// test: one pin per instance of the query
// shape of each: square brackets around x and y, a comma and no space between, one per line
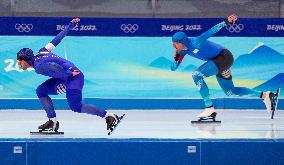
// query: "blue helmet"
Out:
[179,37]
[25,54]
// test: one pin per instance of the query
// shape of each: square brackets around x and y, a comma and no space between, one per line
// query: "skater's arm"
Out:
[53,69]
[50,46]
[70,67]
[204,36]
[177,60]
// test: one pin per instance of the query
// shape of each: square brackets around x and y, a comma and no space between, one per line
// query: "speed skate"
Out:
[48,128]
[207,120]
[275,102]
[119,119]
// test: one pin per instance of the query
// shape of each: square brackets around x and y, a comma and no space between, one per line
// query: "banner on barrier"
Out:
[140,26]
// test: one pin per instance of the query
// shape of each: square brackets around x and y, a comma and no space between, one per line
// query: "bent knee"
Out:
[40,92]
[196,76]
[76,107]
[229,92]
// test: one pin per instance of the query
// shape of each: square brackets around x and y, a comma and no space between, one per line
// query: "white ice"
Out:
[161,124]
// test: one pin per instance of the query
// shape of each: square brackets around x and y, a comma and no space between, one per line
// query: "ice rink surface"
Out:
[158,124]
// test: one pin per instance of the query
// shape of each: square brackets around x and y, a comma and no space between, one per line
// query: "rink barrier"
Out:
[142,103]
[141,151]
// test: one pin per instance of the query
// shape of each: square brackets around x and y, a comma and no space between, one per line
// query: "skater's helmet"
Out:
[25,54]
[179,37]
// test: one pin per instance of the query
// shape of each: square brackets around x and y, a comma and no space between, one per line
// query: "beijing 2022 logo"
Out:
[129,28]
[235,28]
[24,28]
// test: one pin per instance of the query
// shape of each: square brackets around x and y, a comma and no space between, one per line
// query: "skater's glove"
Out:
[75,20]
[177,61]
[231,19]
[176,55]
[174,65]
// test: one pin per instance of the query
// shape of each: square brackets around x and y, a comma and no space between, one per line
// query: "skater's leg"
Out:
[206,70]
[47,105]
[228,87]
[52,86]
[269,98]
[74,99]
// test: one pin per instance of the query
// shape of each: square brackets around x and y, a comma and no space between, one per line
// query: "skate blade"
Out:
[206,122]
[47,133]
[114,127]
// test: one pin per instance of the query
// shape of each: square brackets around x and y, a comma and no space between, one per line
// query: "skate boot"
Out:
[207,116]
[111,120]
[207,112]
[268,100]
[49,126]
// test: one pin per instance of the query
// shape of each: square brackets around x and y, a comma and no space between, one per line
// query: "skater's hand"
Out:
[232,19]
[176,55]
[75,73]
[174,66]
[75,20]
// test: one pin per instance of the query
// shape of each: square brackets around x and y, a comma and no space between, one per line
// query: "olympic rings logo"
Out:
[24,27]
[235,28]
[129,28]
